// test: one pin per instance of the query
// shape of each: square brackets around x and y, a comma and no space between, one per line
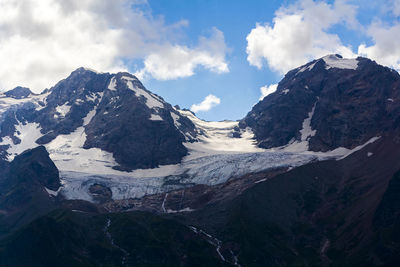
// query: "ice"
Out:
[215,159]
[333,61]
[209,170]
[217,138]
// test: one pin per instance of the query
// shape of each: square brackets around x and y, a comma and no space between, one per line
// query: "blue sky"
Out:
[239,89]
[213,56]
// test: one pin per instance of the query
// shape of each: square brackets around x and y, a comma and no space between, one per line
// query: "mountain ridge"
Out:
[276,188]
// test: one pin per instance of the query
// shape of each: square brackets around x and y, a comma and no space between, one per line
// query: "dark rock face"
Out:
[18,92]
[69,103]
[35,166]
[23,184]
[100,193]
[123,125]
[351,105]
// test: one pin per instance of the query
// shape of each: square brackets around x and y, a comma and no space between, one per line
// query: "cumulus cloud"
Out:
[42,41]
[299,33]
[386,47]
[208,103]
[178,61]
[267,90]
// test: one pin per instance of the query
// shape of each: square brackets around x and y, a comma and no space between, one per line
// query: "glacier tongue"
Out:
[208,170]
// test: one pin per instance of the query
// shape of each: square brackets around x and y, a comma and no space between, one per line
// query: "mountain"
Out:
[113,175]
[117,113]
[328,103]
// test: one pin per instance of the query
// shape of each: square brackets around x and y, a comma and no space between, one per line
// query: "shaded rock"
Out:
[100,193]
[18,92]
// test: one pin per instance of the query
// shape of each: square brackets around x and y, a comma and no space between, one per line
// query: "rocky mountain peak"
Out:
[18,92]
[113,113]
[328,103]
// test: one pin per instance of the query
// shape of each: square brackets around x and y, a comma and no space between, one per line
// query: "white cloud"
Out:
[171,62]
[396,7]
[300,33]
[386,47]
[208,103]
[42,41]
[267,90]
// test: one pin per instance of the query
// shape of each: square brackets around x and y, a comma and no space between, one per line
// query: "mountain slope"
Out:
[68,238]
[331,213]
[327,213]
[28,187]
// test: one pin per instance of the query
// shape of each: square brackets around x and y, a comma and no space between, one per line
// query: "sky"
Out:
[215,57]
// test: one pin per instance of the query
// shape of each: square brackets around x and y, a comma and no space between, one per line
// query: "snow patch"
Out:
[155,117]
[63,109]
[68,153]
[187,209]
[310,67]
[285,91]
[306,133]
[151,100]
[113,84]
[333,61]
[369,154]
[176,118]
[348,152]
[92,97]
[79,101]
[28,133]
[52,192]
